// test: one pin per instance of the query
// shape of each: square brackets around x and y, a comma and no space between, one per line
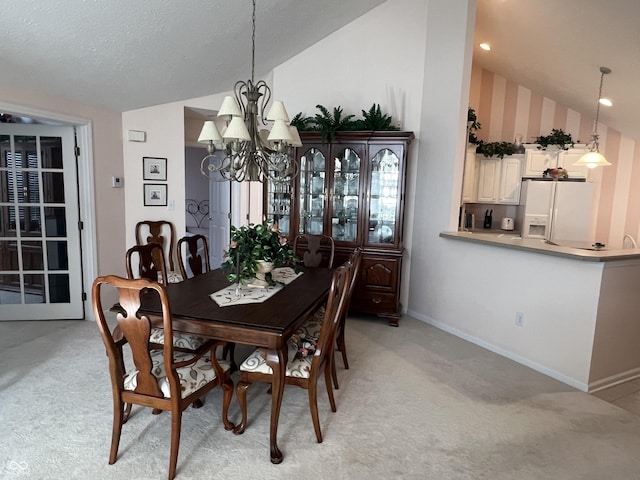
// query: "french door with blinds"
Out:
[40,252]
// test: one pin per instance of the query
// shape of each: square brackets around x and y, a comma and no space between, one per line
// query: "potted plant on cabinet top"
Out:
[254,251]
[557,138]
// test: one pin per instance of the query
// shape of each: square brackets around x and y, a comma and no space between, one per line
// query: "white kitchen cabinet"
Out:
[469,180]
[537,161]
[510,179]
[499,179]
[489,170]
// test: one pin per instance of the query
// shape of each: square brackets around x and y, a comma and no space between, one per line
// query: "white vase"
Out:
[263,269]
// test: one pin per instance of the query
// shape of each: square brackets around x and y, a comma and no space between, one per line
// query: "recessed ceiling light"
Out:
[606,102]
[485,46]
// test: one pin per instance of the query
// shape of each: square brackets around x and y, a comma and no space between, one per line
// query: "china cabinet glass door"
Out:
[313,183]
[279,205]
[346,195]
[385,195]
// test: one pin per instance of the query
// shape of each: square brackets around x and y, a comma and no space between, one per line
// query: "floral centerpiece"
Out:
[252,245]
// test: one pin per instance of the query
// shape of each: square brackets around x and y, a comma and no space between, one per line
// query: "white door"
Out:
[219,219]
[40,250]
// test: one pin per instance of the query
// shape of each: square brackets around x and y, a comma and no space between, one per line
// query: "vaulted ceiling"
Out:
[124,54]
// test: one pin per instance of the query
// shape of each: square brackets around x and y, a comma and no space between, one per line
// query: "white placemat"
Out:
[243,294]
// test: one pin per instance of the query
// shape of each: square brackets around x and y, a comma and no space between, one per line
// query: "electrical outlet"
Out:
[520,319]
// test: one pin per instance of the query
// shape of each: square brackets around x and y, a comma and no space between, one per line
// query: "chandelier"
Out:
[249,152]
[593,158]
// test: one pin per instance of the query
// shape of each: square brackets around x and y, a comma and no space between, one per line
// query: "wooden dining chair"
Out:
[163,379]
[314,250]
[196,254]
[305,365]
[311,328]
[146,261]
[151,265]
[164,233]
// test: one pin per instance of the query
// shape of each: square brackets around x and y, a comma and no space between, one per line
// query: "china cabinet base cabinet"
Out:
[351,187]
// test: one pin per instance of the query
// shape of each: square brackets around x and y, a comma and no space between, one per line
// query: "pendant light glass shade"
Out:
[592,160]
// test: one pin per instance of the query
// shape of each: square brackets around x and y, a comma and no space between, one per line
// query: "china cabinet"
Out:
[352,188]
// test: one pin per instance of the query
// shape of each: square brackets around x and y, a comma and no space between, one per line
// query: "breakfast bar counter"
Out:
[573,250]
[567,310]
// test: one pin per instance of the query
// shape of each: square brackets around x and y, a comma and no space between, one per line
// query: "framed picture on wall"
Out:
[154,168]
[155,195]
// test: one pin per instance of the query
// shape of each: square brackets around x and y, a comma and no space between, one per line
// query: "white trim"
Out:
[85,189]
[501,351]
[614,380]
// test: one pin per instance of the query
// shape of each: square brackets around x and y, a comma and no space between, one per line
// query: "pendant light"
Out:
[594,158]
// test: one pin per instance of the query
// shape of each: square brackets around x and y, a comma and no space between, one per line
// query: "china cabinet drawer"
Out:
[365,301]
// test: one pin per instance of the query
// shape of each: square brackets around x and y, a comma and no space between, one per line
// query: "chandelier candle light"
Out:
[594,158]
[251,153]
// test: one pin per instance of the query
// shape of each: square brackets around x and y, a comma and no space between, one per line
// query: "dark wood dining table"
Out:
[268,325]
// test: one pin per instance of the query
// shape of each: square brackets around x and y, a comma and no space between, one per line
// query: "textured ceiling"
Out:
[124,54]
[127,54]
[556,48]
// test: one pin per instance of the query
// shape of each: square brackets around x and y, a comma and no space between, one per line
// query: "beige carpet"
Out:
[417,403]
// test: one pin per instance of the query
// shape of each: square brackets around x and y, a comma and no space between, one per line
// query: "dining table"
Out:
[267,325]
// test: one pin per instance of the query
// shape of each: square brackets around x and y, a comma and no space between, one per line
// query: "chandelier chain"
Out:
[253,42]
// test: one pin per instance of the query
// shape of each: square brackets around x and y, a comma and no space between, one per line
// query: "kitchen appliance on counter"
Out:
[507,223]
[557,210]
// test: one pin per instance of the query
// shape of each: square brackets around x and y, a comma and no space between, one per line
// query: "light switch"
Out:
[116,182]
[172,205]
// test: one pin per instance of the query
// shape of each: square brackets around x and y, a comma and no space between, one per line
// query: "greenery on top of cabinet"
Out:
[328,123]
[499,149]
[556,138]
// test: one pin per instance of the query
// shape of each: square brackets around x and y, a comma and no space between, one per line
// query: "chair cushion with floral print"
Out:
[311,328]
[299,365]
[180,340]
[192,377]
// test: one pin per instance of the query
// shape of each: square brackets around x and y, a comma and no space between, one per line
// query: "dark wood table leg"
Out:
[277,360]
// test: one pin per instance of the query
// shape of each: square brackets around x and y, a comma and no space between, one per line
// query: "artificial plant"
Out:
[252,243]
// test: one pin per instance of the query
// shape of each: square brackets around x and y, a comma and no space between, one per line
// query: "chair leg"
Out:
[127,412]
[332,361]
[229,351]
[313,406]
[327,381]
[241,395]
[118,416]
[176,423]
[342,347]
[227,395]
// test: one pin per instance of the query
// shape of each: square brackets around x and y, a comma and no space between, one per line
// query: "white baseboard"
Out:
[505,353]
[613,380]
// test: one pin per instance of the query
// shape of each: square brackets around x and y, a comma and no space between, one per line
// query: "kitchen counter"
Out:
[573,250]
[568,312]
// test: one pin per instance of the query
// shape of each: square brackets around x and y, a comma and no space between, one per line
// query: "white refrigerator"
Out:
[557,210]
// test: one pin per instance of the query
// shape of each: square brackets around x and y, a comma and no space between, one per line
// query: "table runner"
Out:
[243,294]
